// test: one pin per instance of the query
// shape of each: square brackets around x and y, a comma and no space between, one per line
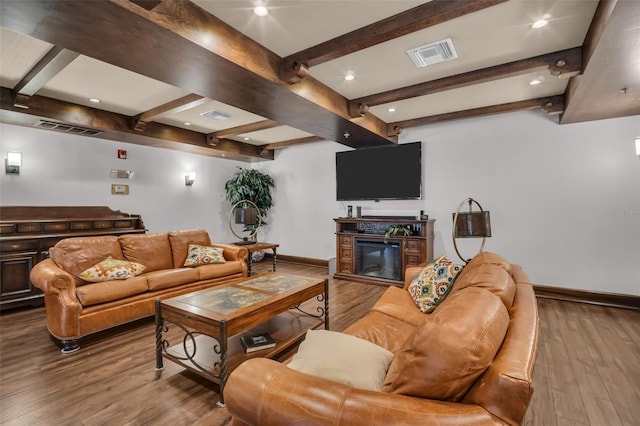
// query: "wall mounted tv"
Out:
[391,172]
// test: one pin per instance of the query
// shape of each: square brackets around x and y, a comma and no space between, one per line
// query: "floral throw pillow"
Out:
[432,285]
[203,255]
[112,269]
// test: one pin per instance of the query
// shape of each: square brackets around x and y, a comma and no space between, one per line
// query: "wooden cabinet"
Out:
[27,233]
[363,253]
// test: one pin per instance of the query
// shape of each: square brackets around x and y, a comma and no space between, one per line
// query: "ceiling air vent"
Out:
[216,115]
[67,128]
[433,53]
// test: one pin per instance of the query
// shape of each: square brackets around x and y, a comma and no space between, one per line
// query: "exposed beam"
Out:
[247,128]
[551,104]
[325,112]
[54,61]
[116,127]
[562,63]
[426,15]
[291,142]
[610,84]
[184,103]
[101,29]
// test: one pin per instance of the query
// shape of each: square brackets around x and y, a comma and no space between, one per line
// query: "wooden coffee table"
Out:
[210,322]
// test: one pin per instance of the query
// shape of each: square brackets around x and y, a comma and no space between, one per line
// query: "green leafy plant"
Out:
[252,185]
[397,230]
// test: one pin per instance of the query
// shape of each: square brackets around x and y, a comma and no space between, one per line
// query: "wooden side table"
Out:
[258,247]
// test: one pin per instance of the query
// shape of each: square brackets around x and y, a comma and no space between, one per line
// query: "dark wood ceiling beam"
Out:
[610,84]
[184,103]
[54,61]
[247,128]
[426,15]
[209,32]
[116,127]
[291,142]
[202,61]
[551,104]
[563,63]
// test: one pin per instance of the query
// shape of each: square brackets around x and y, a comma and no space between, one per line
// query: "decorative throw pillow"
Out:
[342,358]
[432,285]
[112,269]
[203,255]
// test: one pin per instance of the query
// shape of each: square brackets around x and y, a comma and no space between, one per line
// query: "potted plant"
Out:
[252,185]
[397,230]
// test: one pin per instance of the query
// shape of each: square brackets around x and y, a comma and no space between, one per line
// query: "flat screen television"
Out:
[383,173]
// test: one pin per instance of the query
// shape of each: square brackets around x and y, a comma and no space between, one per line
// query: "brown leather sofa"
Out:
[76,308]
[436,376]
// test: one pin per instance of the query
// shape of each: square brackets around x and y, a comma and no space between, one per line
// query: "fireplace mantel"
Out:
[351,233]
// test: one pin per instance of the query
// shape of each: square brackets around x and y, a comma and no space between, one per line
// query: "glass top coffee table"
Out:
[210,322]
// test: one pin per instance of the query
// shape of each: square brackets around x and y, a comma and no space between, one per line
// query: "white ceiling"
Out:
[493,36]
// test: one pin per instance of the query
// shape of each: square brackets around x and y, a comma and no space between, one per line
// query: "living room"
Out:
[564,198]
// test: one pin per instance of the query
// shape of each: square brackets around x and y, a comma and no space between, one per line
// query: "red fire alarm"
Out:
[122,154]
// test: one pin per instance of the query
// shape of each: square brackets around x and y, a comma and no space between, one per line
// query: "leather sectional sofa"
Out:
[469,362]
[76,308]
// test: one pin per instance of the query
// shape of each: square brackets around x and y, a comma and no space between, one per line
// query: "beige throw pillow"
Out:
[342,358]
[111,269]
[203,255]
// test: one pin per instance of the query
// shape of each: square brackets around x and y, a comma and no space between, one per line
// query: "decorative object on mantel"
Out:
[470,225]
[397,230]
[249,189]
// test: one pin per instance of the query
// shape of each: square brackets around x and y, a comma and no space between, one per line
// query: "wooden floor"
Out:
[587,373]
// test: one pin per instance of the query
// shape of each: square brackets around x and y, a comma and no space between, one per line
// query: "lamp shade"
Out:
[246,216]
[472,225]
[14,159]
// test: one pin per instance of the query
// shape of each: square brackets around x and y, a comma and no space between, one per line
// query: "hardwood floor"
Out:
[587,373]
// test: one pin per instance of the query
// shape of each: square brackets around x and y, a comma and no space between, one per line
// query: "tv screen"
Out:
[383,173]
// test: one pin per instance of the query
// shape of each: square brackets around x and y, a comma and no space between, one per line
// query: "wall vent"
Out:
[216,115]
[67,128]
[433,53]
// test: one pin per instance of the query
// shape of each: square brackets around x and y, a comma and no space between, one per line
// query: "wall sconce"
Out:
[190,178]
[13,162]
[638,146]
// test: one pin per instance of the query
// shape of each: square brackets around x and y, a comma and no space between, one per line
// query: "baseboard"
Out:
[625,301]
[297,259]
[613,300]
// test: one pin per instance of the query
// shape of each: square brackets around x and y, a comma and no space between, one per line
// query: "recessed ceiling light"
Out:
[261,11]
[94,100]
[246,139]
[534,82]
[349,77]
[186,123]
[539,23]
[392,109]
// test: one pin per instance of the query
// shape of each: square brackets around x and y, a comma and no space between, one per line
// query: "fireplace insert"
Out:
[375,258]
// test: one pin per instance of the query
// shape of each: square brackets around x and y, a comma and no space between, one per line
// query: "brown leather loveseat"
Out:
[76,308]
[469,362]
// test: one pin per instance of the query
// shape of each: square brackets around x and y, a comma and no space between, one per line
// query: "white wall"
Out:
[60,169]
[564,199]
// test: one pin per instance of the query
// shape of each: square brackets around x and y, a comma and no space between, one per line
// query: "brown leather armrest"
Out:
[265,392]
[51,279]
[232,252]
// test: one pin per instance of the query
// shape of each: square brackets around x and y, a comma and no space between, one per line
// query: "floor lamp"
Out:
[471,224]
